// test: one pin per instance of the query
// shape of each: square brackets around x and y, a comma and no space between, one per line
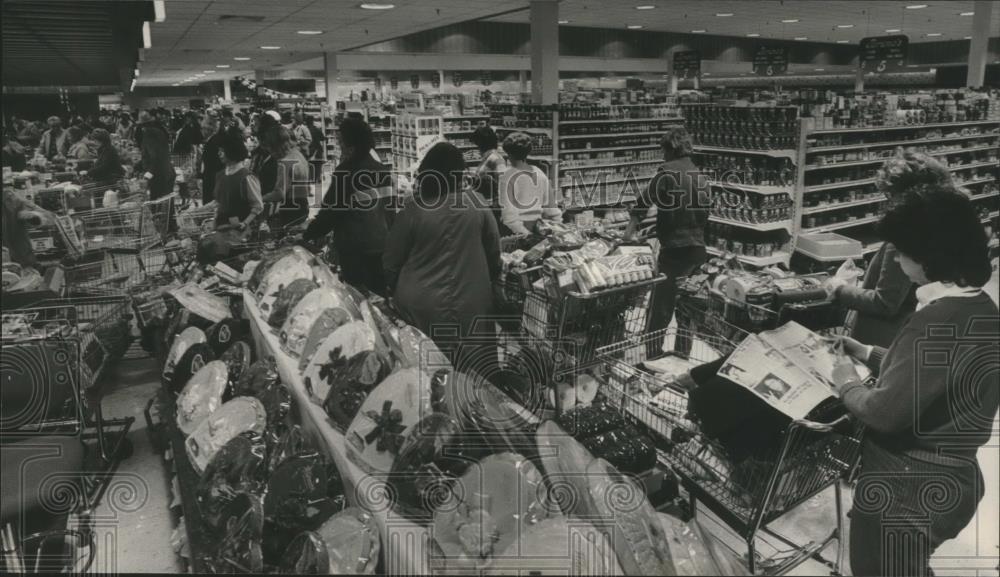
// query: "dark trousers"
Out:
[904,508]
[362,270]
[675,263]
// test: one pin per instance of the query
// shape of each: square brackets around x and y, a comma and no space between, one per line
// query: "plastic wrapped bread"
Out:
[297,326]
[188,337]
[346,358]
[201,396]
[240,415]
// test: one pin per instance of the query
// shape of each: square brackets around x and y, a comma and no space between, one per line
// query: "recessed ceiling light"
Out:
[241,58]
[634,26]
[377,6]
[891,30]
[802,38]
[564,21]
[966,13]
[645,7]
[175,84]
[222,66]
[819,69]
[707,74]
[159,11]
[845,25]
[916,6]
[843,41]
[723,14]
[752,35]
[933,34]
[699,31]
[310,32]
[208,72]
[270,47]
[790,20]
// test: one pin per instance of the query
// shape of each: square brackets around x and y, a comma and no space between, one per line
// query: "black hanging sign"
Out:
[456,78]
[878,54]
[687,64]
[435,80]
[393,83]
[414,81]
[770,61]
[486,77]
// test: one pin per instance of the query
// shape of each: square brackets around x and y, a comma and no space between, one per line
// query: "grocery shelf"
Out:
[621,120]
[753,188]
[602,201]
[968,166]
[776,153]
[844,224]
[526,130]
[612,164]
[916,142]
[991,216]
[465,117]
[841,205]
[608,149]
[984,196]
[976,182]
[606,182]
[905,127]
[761,226]
[457,132]
[608,135]
[836,185]
[540,158]
[775,258]
[882,160]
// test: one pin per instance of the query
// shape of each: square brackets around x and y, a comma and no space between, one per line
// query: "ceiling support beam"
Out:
[979,45]
[545,51]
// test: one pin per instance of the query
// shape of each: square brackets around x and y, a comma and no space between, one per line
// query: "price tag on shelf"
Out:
[881,54]
[42,244]
[770,61]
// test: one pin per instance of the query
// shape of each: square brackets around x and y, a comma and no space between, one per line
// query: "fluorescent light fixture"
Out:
[916,6]
[131,88]
[645,7]
[208,71]
[819,69]
[753,35]
[968,37]
[843,41]
[159,10]
[147,36]
[222,66]
[891,30]
[377,6]
[790,20]
[241,58]
[706,74]
[699,31]
[564,21]
[634,26]
[310,32]
[175,84]
[723,14]
[802,38]
[845,25]
[966,13]
[933,34]
[270,47]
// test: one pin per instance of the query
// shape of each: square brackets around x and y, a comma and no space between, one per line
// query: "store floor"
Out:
[135,523]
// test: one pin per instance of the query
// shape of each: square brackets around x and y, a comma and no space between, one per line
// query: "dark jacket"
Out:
[155,146]
[13,156]
[211,164]
[188,137]
[108,166]
[680,194]
[354,209]
[15,234]
[884,300]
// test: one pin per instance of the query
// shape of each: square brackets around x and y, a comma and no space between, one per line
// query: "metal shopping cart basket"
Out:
[748,496]
[131,225]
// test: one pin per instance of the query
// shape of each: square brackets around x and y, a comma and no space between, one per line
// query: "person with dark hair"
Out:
[441,259]
[263,164]
[13,153]
[491,165]
[189,134]
[154,144]
[679,191]
[354,208]
[937,393]
[107,169]
[887,296]
[288,201]
[79,145]
[237,191]
[524,191]
[211,163]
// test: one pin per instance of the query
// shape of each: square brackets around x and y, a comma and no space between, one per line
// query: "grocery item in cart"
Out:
[201,396]
[188,337]
[300,322]
[237,467]
[287,298]
[242,414]
[375,435]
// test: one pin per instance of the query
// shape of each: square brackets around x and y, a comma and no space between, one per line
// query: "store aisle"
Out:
[134,522]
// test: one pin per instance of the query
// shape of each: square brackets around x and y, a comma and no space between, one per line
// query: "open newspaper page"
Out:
[790,368]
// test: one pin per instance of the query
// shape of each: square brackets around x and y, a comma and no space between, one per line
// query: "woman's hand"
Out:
[832,285]
[844,373]
[850,347]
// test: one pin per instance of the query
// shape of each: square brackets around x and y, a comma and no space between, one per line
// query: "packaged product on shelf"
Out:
[201,396]
[239,415]
[289,296]
[300,324]
[237,467]
[344,368]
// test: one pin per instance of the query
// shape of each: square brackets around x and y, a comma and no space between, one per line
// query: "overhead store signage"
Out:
[878,54]
[414,81]
[687,64]
[378,84]
[770,61]
[436,81]
[486,77]
[394,83]
[456,78]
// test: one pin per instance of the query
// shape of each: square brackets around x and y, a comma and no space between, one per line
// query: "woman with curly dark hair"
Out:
[937,394]
[886,296]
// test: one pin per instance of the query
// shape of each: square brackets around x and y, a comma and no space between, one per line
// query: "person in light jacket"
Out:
[53,142]
[526,195]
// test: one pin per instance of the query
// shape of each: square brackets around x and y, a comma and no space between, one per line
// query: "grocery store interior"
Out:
[536,287]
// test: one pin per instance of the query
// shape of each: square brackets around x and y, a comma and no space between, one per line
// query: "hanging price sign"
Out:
[770,61]
[456,78]
[486,77]
[687,64]
[879,54]
[393,83]
[414,81]
[436,81]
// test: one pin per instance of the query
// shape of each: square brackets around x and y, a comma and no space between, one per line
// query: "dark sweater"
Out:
[938,389]
[883,302]
[108,166]
[680,194]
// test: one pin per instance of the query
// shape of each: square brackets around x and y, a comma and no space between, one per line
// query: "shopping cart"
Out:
[131,225]
[119,271]
[196,220]
[749,495]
